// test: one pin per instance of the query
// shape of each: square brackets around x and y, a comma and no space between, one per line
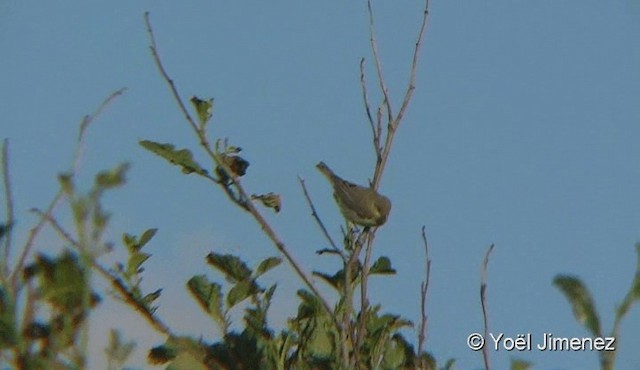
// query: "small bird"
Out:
[358,204]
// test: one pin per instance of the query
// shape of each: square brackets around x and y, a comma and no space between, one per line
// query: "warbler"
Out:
[358,204]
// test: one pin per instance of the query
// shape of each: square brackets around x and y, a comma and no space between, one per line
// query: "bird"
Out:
[359,204]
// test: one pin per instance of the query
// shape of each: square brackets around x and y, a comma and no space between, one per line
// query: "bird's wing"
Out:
[353,197]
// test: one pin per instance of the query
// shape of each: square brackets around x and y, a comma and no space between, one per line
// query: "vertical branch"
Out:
[411,86]
[364,280]
[382,151]
[424,288]
[483,302]
[394,123]
[375,133]
[376,56]
[8,196]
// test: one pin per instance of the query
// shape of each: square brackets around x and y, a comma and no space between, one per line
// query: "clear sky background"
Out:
[523,132]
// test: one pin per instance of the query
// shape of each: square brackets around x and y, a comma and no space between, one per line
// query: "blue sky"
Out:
[523,132]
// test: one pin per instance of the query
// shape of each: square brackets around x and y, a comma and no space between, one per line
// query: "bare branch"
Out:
[393,123]
[8,196]
[424,288]
[315,215]
[16,273]
[364,280]
[88,119]
[165,75]
[414,66]
[374,49]
[483,302]
[367,106]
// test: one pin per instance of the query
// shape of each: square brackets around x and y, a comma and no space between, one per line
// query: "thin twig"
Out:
[414,66]
[374,49]
[315,215]
[86,121]
[483,302]
[364,280]
[243,200]
[8,196]
[424,288]
[394,123]
[16,273]
[367,106]
[165,75]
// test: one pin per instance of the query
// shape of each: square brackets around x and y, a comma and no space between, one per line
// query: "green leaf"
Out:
[234,269]
[183,352]
[209,296]
[150,298]
[118,351]
[182,157]
[269,200]
[112,178]
[336,281]
[269,293]
[204,109]
[426,361]
[395,353]
[66,182]
[240,292]
[186,361]
[583,307]
[134,262]
[382,267]
[8,337]
[5,229]
[146,236]
[636,281]
[311,306]
[62,281]
[161,354]
[520,364]
[450,364]
[267,264]
[129,242]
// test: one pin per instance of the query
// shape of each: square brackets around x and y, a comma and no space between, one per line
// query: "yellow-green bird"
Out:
[358,204]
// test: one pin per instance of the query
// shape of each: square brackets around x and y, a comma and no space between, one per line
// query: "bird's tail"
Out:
[322,167]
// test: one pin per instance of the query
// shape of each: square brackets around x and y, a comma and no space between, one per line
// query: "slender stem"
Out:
[367,106]
[394,123]
[483,302]
[364,280]
[424,288]
[17,272]
[8,196]
[316,217]
[374,49]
